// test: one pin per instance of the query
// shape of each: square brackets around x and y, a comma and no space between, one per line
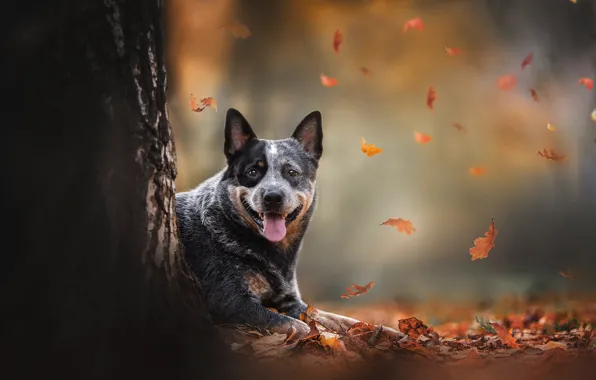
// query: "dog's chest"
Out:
[269,287]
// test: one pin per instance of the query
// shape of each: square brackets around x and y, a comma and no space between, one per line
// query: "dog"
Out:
[242,229]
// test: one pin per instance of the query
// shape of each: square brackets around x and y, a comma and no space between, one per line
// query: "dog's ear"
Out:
[310,134]
[237,133]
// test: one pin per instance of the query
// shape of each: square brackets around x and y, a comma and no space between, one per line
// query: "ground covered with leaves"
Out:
[511,338]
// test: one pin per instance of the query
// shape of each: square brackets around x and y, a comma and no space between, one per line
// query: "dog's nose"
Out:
[273,199]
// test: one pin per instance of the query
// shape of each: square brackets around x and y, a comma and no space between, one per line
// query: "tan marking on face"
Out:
[261,164]
[294,229]
[258,284]
[236,194]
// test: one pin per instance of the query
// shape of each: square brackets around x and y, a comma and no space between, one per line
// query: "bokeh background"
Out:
[545,211]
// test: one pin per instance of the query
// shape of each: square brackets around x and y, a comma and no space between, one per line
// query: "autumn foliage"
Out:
[401,225]
[356,290]
[483,245]
[369,149]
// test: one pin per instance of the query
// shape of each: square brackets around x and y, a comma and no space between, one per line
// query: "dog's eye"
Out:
[252,173]
[292,173]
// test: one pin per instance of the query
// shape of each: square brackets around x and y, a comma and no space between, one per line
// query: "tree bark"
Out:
[95,286]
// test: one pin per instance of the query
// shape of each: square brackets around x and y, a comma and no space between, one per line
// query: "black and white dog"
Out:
[242,228]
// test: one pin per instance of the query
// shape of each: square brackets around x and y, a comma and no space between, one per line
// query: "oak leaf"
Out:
[238,30]
[337,40]
[534,95]
[483,245]
[527,60]
[589,83]
[505,336]
[452,51]
[328,81]
[413,327]
[415,23]
[477,170]
[199,106]
[369,149]
[507,82]
[431,96]
[551,155]
[400,225]
[421,138]
[356,290]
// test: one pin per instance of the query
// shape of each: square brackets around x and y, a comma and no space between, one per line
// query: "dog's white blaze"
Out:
[271,148]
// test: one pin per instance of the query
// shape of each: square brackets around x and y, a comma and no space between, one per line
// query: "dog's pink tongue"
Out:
[274,227]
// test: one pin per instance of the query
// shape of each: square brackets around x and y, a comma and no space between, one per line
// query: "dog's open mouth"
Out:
[272,225]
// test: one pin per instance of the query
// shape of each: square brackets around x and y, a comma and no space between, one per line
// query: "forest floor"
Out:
[548,338]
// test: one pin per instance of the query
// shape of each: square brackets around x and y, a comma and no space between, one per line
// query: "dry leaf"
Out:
[552,155]
[505,336]
[589,83]
[369,149]
[534,95]
[483,245]
[527,60]
[413,327]
[337,40]
[365,71]
[400,225]
[477,170]
[459,127]
[198,106]
[550,127]
[328,81]
[415,23]
[552,345]
[431,96]
[238,30]
[507,82]
[567,274]
[452,51]
[421,138]
[357,290]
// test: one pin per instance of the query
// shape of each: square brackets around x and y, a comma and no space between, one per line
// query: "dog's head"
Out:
[271,183]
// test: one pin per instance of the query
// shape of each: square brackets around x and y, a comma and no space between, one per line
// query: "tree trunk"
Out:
[95,286]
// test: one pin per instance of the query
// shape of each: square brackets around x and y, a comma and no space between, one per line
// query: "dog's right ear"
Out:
[237,133]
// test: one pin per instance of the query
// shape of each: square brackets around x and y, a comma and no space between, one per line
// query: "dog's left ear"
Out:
[310,134]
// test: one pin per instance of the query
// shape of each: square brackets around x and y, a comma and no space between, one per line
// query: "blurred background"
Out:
[545,211]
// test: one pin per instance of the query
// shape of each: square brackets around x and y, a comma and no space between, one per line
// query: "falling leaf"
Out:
[357,290]
[567,274]
[415,23]
[527,60]
[477,170]
[459,127]
[369,149]
[421,138]
[505,336]
[413,327]
[452,51]
[198,106]
[593,115]
[483,245]
[328,81]
[431,96]
[552,155]
[400,225]
[550,127]
[507,82]
[589,83]
[238,30]
[534,95]
[365,71]
[337,40]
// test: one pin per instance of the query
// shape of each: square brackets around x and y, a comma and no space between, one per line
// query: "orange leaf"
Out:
[238,30]
[415,23]
[527,60]
[357,290]
[477,170]
[483,245]
[365,71]
[421,138]
[534,95]
[552,155]
[413,327]
[369,149]
[400,225]
[507,82]
[589,83]
[459,127]
[328,81]
[452,51]
[337,40]
[567,274]
[431,96]
[198,106]
[505,336]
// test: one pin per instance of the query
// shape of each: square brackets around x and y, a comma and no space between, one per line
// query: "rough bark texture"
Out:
[92,283]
